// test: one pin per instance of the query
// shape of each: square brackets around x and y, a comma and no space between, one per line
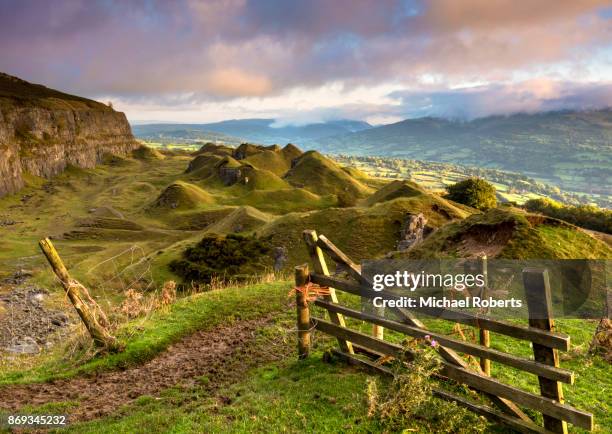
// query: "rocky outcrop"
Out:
[413,231]
[43,131]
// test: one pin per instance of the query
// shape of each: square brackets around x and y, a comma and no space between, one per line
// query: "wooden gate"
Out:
[362,349]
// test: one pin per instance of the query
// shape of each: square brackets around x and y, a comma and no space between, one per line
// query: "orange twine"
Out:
[311,291]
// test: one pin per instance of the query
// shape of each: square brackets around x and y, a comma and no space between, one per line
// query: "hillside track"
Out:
[221,355]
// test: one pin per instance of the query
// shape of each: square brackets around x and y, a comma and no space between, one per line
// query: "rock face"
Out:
[414,230]
[42,131]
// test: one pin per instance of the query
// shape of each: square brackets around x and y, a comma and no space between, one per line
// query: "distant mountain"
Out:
[262,131]
[568,148]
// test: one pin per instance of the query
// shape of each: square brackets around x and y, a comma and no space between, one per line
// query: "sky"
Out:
[304,61]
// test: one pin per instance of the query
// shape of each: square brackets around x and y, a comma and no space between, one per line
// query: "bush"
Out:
[408,401]
[228,257]
[586,216]
[474,192]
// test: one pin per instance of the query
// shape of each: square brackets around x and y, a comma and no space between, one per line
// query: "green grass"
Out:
[322,176]
[308,396]
[288,396]
[183,195]
[362,232]
[527,237]
[285,395]
[145,338]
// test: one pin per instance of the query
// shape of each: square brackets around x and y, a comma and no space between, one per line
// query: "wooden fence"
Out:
[363,349]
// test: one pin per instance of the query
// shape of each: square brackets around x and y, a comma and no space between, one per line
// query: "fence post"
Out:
[303,312]
[99,333]
[320,266]
[539,305]
[484,335]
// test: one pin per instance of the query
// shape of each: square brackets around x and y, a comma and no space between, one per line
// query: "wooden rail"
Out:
[541,333]
[534,367]
[550,339]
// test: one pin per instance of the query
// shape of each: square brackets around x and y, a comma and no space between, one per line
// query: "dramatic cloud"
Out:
[188,59]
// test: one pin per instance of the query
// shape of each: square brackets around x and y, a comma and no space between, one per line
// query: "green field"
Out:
[222,357]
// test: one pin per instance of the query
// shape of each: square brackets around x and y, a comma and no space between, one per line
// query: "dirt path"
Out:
[223,354]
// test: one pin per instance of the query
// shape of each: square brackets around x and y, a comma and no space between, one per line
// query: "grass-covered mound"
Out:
[254,178]
[322,176]
[146,153]
[291,152]
[586,216]
[217,170]
[245,150]
[231,257]
[271,161]
[360,232]
[214,149]
[242,219]
[285,200]
[203,165]
[393,190]
[511,234]
[356,173]
[183,196]
[274,159]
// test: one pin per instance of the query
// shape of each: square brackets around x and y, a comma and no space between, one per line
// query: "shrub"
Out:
[233,256]
[408,401]
[474,192]
[586,216]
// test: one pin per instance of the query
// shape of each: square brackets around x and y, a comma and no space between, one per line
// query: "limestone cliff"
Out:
[43,130]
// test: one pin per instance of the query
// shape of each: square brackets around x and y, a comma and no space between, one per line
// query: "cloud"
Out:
[234,82]
[223,51]
[530,96]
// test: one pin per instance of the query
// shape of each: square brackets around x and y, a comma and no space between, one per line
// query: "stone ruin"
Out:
[414,230]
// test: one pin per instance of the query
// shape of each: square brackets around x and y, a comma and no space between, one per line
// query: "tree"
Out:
[474,192]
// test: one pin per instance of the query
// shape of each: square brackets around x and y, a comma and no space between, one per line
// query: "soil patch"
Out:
[489,240]
[210,359]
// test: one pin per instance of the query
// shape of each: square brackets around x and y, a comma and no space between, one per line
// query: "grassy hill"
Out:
[320,175]
[512,234]
[223,360]
[182,195]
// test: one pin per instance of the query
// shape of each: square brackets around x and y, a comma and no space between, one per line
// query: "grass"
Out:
[283,395]
[308,396]
[361,232]
[322,176]
[145,338]
[287,395]
[529,237]
[183,195]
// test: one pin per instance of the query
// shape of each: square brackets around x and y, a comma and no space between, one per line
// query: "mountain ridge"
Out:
[267,131]
[571,149]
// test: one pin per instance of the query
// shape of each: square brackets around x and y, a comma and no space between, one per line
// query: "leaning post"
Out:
[101,336]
